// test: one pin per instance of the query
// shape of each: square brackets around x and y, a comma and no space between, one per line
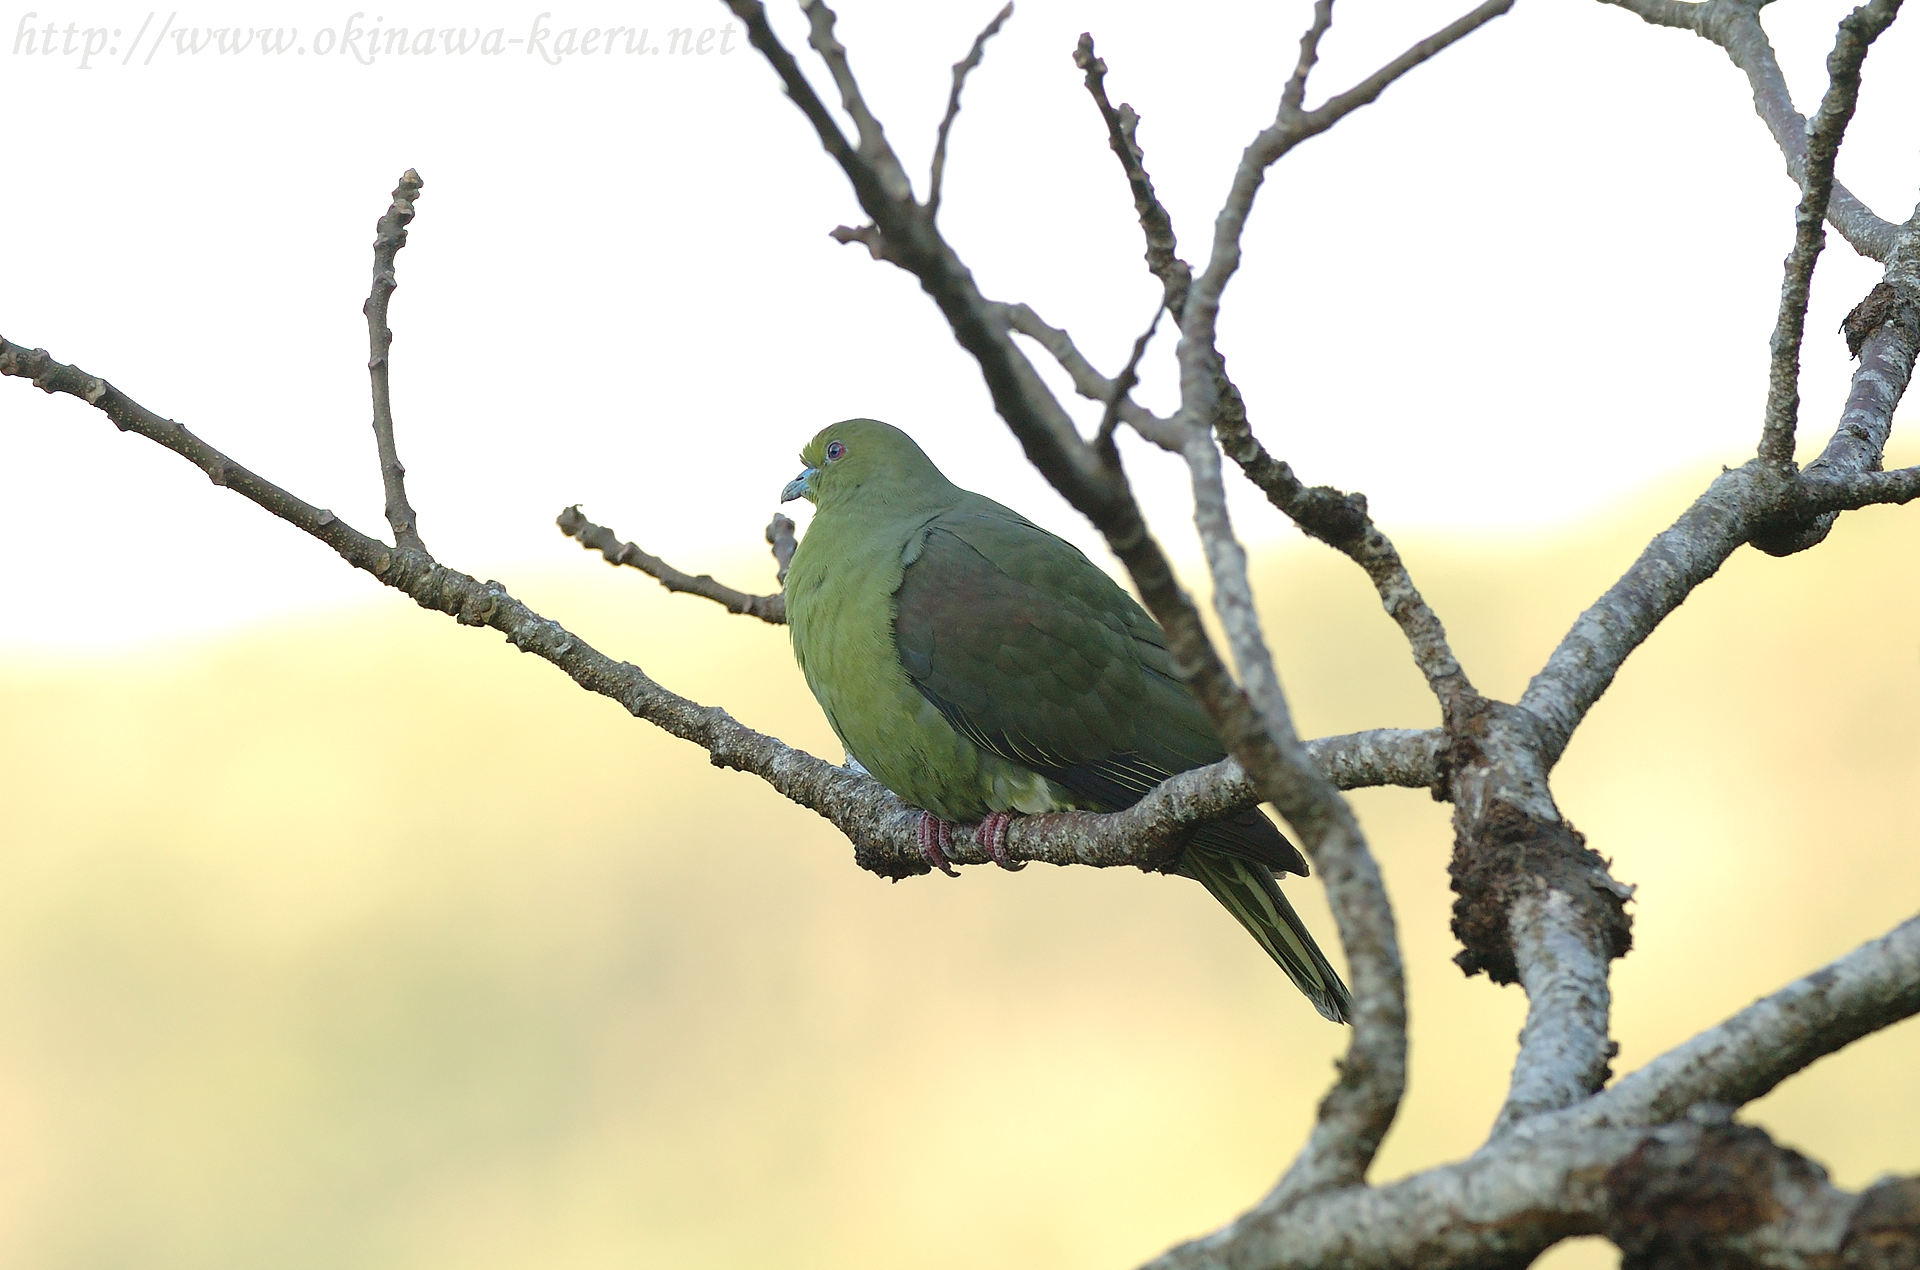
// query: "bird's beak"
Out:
[799,486]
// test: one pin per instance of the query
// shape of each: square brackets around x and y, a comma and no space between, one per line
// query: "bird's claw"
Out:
[993,836]
[936,835]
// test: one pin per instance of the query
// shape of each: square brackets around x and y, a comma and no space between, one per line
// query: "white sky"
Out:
[1537,275]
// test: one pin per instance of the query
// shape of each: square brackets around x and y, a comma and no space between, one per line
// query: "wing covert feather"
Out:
[1035,654]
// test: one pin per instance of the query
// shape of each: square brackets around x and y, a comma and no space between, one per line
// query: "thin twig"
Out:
[1087,381]
[1335,518]
[1129,376]
[1858,30]
[768,608]
[1123,127]
[875,155]
[1295,93]
[961,69]
[390,235]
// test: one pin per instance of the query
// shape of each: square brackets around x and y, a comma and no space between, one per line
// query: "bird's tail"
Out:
[1249,892]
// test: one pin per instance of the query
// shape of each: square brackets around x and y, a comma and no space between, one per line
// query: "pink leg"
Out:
[993,836]
[936,835]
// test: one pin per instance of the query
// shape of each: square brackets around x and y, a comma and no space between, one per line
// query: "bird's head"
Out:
[867,460]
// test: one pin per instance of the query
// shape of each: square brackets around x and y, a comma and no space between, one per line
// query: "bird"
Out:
[979,666]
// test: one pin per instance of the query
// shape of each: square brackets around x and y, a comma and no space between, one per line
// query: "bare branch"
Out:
[960,71]
[1289,129]
[1122,134]
[1872,987]
[874,153]
[390,235]
[1087,381]
[1334,109]
[1644,1188]
[1098,490]
[1734,25]
[1338,519]
[1751,503]
[1868,489]
[884,831]
[1117,393]
[1564,1047]
[1858,30]
[1357,1112]
[1295,94]
[768,608]
[1885,335]
[1534,906]
[1341,521]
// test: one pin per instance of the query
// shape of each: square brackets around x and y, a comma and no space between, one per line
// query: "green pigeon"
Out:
[977,666]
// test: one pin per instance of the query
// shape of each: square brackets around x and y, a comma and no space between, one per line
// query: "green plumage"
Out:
[975,663]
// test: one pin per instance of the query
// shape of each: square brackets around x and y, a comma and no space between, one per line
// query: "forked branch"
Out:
[768,608]
[390,235]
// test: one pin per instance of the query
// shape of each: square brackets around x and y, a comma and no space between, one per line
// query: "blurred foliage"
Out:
[368,942]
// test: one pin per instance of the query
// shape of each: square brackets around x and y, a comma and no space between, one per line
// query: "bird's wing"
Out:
[1035,654]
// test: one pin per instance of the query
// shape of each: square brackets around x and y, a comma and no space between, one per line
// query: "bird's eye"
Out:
[834,451]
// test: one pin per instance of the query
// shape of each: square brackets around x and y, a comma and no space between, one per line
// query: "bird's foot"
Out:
[936,835]
[993,836]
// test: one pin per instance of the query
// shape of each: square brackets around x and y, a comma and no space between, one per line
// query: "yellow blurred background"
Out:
[369,942]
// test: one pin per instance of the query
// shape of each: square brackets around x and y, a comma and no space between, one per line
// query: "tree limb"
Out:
[960,71]
[1858,30]
[1338,519]
[884,831]
[1734,25]
[1701,1192]
[768,608]
[390,235]
[1872,987]
[1753,502]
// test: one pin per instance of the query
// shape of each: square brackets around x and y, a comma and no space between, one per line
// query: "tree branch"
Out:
[1294,96]
[1118,390]
[884,830]
[1631,1163]
[1753,502]
[768,608]
[390,235]
[1565,1045]
[1087,381]
[1122,134]
[1734,25]
[1358,1110]
[1046,433]
[1338,519]
[960,71]
[1743,1058]
[1888,340]
[1858,30]
[1647,1189]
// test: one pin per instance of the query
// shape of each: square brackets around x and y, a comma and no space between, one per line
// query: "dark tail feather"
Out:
[1249,892]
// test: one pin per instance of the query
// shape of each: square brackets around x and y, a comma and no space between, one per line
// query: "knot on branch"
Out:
[868,236]
[1880,306]
[1511,854]
[1681,1196]
[1885,1231]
